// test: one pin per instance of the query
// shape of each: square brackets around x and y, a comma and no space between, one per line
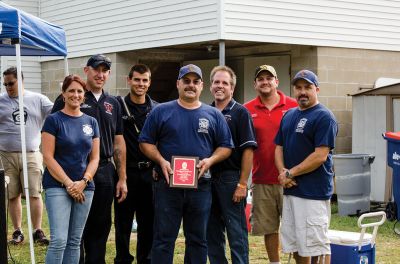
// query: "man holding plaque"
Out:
[187,130]
[229,177]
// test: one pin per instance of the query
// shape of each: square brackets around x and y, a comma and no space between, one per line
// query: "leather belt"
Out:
[141,165]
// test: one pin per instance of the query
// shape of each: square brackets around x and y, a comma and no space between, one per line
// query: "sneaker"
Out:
[17,238]
[40,238]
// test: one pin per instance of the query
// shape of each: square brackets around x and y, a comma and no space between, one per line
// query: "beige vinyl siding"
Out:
[31,69]
[104,26]
[373,24]
[29,6]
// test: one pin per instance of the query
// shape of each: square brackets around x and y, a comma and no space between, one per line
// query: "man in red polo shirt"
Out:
[267,110]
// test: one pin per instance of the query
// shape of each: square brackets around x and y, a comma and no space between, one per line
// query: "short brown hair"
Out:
[72,78]
[13,70]
[140,68]
[226,69]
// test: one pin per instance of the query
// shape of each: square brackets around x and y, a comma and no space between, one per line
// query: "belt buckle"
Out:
[143,164]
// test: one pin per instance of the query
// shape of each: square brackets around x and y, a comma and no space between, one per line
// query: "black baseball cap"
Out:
[99,59]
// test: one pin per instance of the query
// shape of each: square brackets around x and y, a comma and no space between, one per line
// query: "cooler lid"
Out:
[393,135]
[348,238]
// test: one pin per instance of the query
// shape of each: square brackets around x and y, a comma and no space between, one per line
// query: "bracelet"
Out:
[85,180]
[243,186]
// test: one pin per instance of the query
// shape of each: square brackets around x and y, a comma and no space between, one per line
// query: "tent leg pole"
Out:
[66,69]
[23,150]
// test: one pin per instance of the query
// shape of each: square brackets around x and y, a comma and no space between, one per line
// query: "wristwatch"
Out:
[289,175]
[86,180]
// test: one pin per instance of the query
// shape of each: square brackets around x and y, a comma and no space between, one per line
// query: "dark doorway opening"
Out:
[163,80]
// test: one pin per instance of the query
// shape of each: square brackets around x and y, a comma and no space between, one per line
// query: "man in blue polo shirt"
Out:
[229,177]
[303,157]
[184,127]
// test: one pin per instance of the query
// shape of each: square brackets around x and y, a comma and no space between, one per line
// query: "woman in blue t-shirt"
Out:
[70,146]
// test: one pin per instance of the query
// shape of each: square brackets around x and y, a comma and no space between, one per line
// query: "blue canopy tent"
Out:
[36,36]
[22,34]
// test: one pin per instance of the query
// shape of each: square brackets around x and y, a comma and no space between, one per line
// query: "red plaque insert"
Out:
[184,172]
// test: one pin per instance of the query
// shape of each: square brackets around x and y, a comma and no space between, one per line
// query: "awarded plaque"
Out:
[184,172]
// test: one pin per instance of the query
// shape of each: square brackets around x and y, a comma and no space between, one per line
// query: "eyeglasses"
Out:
[8,84]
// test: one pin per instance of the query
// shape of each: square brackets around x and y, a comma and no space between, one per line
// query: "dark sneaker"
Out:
[17,238]
[40,238]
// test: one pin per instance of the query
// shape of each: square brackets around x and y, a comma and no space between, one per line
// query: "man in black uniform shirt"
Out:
[229,177]
[135,107]
[107,111]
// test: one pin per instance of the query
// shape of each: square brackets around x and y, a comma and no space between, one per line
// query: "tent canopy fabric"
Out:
[36,36]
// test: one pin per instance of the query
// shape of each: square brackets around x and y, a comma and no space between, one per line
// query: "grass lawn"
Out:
[387,249]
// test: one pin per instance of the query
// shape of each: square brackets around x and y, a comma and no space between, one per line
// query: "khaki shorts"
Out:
[12,162]
[267,209]
[305,225]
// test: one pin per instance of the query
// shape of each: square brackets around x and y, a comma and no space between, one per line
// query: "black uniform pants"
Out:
[98,224]
[139,201]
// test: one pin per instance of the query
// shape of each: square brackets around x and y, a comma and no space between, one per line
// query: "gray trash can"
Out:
[353,182]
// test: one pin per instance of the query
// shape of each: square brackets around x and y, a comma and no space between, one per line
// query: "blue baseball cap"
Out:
[306,75]
[190,68]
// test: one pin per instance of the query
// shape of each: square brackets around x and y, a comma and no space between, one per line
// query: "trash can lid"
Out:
[348,238]
[393,135]
[351,156]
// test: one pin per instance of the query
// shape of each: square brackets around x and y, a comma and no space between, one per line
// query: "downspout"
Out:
[221,37]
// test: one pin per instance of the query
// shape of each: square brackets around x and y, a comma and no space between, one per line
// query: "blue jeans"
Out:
[173,204]
[67,219]
[230,216]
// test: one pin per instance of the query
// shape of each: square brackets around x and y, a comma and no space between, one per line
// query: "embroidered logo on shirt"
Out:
[253,115]
[228,118]
[85,106]
[203,125]
[108,107]
[87,130]
[301,125]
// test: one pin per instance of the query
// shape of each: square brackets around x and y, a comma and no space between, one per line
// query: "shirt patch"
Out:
[87,130]
[85,106]
[228,118]
[301,125]
[253,115]
[108,107]
[203,125]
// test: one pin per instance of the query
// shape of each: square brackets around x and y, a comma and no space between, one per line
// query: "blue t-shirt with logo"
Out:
[73,144]
[300,132]
[178,131]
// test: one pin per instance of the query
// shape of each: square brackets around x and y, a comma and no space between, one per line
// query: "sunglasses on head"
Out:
[8,84]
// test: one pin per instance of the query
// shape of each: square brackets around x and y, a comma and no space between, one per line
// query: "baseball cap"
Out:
[99,59]
[190,68]
[306,75]
[265,68]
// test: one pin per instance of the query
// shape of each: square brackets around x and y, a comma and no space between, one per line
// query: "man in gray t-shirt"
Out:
[36,109]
